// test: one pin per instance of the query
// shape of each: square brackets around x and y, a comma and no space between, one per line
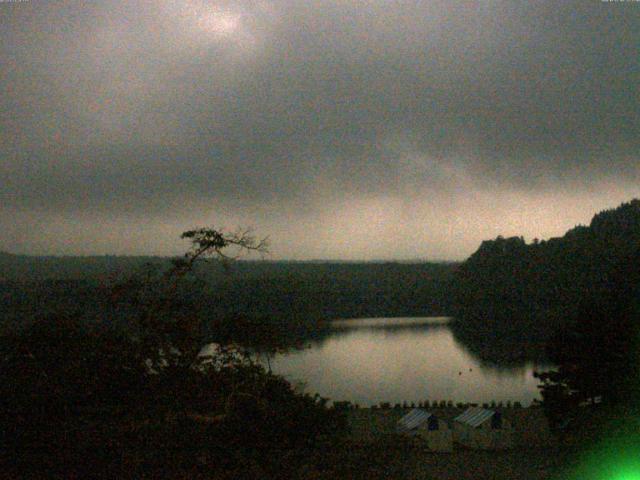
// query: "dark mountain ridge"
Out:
[509,285]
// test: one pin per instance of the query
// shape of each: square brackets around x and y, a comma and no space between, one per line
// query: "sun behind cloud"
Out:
[212,19]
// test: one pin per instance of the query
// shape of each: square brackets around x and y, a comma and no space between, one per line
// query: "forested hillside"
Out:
[533,288]
[25,268]
[274,291]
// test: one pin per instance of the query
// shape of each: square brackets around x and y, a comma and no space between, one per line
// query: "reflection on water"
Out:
[372,360]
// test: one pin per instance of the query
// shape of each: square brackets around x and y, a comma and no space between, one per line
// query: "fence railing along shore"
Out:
[434,404]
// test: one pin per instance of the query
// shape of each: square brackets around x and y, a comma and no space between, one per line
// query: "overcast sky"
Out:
[340,129]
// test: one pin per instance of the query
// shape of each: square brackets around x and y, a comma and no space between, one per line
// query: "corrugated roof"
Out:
[474,416]
[411,420]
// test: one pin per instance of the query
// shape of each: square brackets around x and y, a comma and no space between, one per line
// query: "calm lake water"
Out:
[367,361]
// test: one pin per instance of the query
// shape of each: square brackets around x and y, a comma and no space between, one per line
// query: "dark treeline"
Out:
[523,293]
[575,301]
[41,268]
[510,297]
[283,292]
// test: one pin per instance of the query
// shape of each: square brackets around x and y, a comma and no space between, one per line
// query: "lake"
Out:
[368,361]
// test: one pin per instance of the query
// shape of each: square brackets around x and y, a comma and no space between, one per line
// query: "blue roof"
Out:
[474,416]
[412,420]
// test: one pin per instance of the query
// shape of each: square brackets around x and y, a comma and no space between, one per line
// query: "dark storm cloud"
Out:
[142,108]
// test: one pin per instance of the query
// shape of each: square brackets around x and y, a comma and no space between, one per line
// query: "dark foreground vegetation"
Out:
[87,400]
[103,373]
[82,405]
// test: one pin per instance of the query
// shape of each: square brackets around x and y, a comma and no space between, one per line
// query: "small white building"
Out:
[434,432]
[482,429]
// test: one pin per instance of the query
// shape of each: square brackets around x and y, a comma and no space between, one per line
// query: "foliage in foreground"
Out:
[82,399]
[76,401]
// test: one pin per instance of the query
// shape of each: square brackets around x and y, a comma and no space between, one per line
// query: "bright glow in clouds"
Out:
[213,21]
[340,129]
[217,21]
